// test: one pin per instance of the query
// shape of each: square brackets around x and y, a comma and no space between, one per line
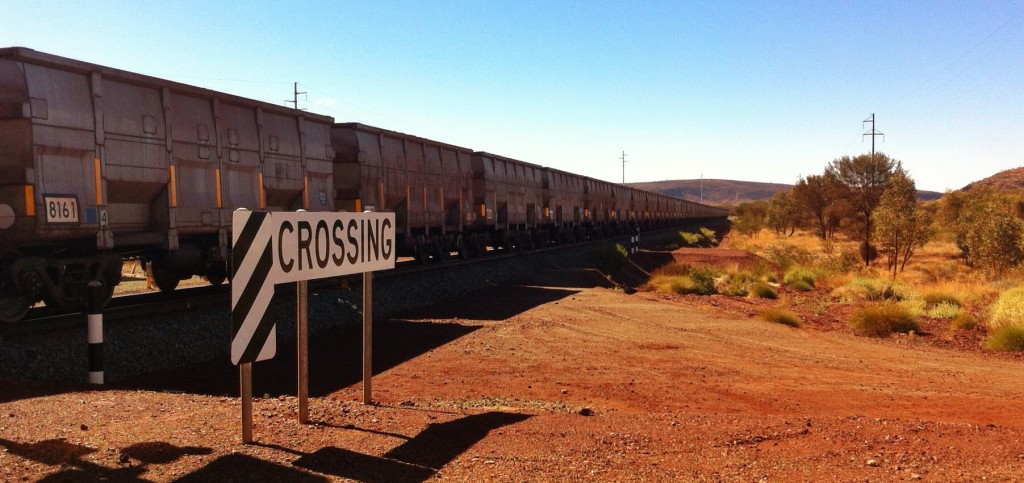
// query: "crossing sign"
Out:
[280,247]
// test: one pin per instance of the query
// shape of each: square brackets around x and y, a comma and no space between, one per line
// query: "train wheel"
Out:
[166,277]
[13,307]
[217,274]
[437,250]
[422,254]
[463,248]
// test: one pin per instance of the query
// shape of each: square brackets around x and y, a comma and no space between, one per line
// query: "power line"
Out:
[623,158]
[295,100]
[872,132]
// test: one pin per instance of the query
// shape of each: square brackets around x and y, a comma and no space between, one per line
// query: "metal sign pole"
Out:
[245,379]
[367,337]
[302,306]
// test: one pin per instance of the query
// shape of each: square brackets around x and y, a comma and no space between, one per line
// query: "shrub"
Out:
[1006,338]
[796,274]
[839,263]
[1008,310]
[944,310]
[764,291]
[691,239]
[800,285]
[709,236]
[915,306]
[780,316]
[851,293]
[935,297]
[964,321]
[785,255]
[703,281]
[880,320]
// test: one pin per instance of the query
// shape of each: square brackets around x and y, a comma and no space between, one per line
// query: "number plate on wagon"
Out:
[61,209]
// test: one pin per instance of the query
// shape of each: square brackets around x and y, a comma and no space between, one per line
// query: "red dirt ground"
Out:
[563,378]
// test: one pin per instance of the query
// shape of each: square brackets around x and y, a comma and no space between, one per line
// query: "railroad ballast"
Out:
[99,164]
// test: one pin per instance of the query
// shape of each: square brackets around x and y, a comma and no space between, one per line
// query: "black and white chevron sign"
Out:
[253,333]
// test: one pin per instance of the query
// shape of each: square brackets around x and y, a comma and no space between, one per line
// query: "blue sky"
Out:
[757,91]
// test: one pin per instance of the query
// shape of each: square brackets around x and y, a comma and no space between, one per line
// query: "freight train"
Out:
[98,165]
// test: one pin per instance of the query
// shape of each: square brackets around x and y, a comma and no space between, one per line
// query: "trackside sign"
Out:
[312,245]
[281,247]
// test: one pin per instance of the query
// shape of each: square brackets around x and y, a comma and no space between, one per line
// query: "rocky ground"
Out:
[563,377]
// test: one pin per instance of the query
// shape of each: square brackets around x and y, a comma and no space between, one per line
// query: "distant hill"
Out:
[731,192]
[715,191]
[1011,179]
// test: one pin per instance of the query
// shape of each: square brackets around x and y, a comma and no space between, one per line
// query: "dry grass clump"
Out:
[882,319]
[964,321]
[1008,310]
[1006,338]
[682,279]
[944,310]
[780,316]
[937,297]
[764,291]
[800,278]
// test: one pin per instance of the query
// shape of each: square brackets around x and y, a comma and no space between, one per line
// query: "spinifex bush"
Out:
[780,316]
[764,291]
[882,319]
[1008,310]
[800,278]
[1006,338]
[964,321]
[935,297]
[944,310]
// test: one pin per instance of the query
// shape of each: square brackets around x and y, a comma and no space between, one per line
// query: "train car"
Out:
[98,164]
[509,195]
[429,186]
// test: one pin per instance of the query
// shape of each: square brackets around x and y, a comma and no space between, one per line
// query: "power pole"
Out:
[623,158]
[871,132]
[295,100]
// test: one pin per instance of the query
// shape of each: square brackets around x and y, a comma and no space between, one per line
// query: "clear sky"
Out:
[756,91]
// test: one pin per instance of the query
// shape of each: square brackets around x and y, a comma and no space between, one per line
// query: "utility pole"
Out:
[623,158]
[295,100]
[871,132]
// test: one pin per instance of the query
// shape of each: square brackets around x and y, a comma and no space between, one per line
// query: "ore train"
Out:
[99,164]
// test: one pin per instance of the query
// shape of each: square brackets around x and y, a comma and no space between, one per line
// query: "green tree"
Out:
[748,218]
[815,196]
[988,230]
[863,180]
[901,226]
[783,213]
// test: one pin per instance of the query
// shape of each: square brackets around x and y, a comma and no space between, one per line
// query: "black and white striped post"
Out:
[95,332]
[634,242]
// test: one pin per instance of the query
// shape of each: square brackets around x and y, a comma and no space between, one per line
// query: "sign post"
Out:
[367,337]
[284,247]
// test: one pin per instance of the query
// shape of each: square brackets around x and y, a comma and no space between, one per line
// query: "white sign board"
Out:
[313,245]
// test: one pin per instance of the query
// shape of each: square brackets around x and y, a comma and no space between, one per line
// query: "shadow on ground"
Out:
[335,356]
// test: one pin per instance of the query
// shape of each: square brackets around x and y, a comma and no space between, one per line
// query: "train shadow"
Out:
[335,355]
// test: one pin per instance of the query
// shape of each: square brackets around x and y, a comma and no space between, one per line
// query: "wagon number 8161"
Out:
[61,209]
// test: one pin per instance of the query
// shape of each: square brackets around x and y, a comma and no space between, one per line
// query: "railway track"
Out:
[132,307]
